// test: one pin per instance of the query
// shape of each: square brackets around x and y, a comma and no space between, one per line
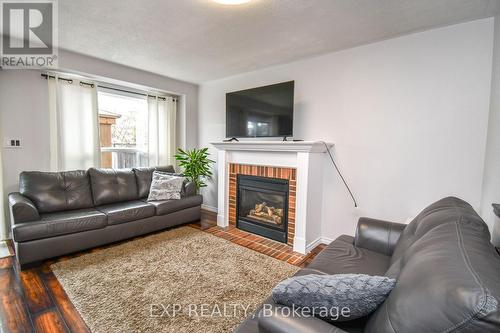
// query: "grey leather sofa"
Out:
[56,213]
[447,271]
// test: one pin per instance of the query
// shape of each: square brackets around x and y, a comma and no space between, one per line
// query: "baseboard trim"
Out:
[209,208]
[326,240]
[313,244]
[316,242]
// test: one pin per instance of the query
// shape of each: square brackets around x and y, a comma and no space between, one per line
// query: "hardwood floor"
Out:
[32,300]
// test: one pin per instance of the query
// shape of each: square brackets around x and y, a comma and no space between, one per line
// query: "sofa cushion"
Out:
[447,272]
[443,211]
[127,211]
[144,176]
[110,185]
[170,206]
[342,257]
[188,188]
[60,223]
[339,257]
[56,191]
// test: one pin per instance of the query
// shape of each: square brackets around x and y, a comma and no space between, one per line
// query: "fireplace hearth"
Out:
[262,206]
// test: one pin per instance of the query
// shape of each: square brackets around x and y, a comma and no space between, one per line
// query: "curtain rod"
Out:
[47,76]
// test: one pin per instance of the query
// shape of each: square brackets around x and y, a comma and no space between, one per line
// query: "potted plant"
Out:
[196,165]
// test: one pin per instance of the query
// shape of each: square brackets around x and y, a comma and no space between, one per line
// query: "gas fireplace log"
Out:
[260,207]
[266,213]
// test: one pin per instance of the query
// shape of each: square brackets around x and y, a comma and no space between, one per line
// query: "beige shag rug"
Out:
[182,280]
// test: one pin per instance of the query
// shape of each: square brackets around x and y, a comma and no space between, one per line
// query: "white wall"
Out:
[408,117]
[24,109]
[24,115]
[491,181]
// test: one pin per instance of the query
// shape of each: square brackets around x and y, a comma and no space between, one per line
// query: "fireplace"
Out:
[301,163]
[262,206]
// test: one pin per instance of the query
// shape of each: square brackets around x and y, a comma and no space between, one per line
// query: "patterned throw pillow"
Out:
[339,297]
[165,187]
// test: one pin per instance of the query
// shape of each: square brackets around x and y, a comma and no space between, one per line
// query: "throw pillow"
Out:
[339,297]
[177,174]
[165,187]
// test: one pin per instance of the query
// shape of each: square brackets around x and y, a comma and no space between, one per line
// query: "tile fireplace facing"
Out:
[262,207]
[262,200]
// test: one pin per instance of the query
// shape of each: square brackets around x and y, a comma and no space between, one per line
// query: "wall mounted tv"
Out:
[260,112]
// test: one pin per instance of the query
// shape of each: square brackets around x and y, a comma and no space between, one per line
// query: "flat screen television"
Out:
[260,112]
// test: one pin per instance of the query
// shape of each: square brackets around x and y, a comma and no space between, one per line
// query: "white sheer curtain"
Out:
[74,125]
[162,130]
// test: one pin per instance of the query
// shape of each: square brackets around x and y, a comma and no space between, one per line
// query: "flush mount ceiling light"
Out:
[231,2]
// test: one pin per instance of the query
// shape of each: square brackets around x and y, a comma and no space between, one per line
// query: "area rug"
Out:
[181,280]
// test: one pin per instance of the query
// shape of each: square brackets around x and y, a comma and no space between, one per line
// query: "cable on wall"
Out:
[340,174]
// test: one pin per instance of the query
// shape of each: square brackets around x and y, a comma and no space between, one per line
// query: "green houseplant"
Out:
[196,165]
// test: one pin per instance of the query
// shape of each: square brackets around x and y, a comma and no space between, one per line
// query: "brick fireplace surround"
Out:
[264,171]
[301,163]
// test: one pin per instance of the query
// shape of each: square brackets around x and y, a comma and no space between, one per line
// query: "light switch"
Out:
[12,143]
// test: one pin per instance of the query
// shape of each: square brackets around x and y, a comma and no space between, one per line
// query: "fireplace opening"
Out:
[262,206]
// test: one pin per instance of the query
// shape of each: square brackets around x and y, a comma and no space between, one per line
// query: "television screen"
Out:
[260,112]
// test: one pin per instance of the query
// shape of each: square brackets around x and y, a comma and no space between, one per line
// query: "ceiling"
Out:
[200,40]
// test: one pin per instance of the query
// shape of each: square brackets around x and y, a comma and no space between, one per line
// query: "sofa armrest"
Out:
[189,188]
[22,209]
[278,323]
[378,235]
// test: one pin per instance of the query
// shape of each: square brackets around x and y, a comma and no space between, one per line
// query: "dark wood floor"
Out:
[32,300]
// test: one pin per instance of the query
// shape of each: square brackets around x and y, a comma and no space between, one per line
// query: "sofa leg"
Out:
[24,267]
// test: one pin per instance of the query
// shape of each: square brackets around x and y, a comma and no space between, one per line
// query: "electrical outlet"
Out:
[12,143]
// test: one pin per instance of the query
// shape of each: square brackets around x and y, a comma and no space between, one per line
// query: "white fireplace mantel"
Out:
[307,157]
[280,146]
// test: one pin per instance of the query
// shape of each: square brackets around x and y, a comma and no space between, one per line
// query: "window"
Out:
[93,125]
[123,130]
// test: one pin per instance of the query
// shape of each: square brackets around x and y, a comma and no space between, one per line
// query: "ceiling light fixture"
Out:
[232,2]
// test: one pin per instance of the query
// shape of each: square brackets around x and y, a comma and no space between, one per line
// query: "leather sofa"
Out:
[56,213]
[447,271]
